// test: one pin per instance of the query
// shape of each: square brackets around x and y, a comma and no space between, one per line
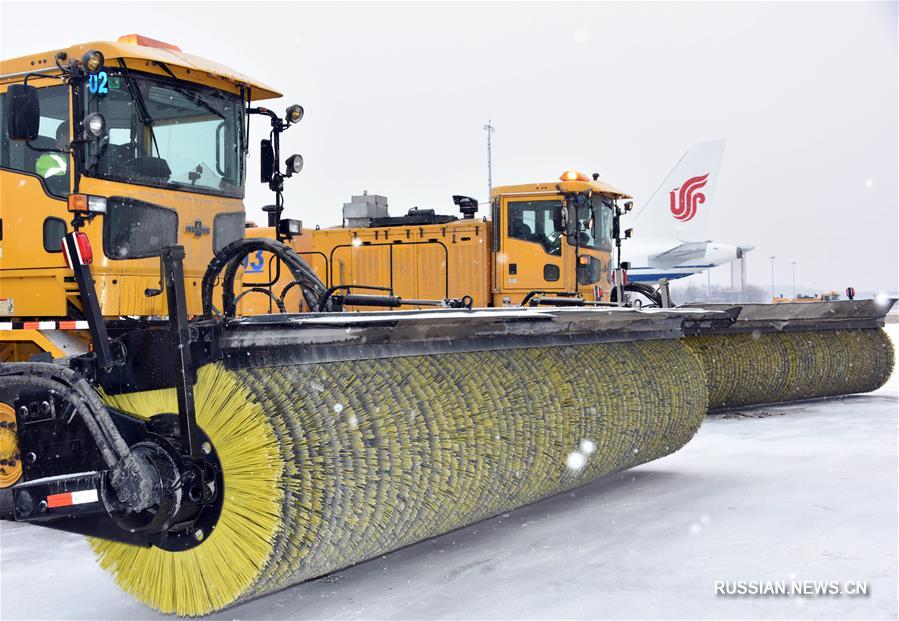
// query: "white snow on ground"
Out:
[793,492]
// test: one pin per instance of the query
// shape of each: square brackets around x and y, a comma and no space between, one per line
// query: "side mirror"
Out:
[24,114]
[559,220]
[569,218]
[274,212]
[266,161]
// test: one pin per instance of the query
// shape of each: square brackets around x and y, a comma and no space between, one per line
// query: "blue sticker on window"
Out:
[98,83]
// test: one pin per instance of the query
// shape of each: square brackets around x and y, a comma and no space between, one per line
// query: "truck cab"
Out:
[554,237]
[138,145]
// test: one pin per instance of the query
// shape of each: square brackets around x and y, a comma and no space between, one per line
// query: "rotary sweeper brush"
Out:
[772,353]
[789,352]
[217,460]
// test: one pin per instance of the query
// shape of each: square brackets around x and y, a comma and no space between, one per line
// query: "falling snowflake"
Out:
[575,460]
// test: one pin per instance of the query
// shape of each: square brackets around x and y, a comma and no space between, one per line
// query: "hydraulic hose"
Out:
[131,477]
[229,259]
[76,390]
[642,289]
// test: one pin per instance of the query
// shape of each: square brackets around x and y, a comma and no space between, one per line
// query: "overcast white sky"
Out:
[396,96]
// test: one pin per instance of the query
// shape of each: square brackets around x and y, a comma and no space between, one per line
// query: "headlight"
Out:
[86,202]
[95,124]
[290,228]
[92,60]
[294,164]
[96,204]
[294,113]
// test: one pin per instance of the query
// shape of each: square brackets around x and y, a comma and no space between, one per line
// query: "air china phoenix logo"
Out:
[688,198]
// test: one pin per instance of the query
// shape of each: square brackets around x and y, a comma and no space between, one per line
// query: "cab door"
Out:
[530,256]
[587,252]
[35,179]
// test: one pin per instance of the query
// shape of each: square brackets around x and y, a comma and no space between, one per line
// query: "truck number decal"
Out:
[98,83]
[256,265]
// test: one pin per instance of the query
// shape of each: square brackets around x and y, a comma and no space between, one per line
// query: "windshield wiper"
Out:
[192,95]
[138,97]
[195,98]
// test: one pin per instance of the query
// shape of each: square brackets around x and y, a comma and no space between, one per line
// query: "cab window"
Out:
[601,230]
[51,166]
[168,133]
[586,227]
[538,222]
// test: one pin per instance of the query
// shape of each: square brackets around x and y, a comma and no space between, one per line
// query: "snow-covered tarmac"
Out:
[804,492]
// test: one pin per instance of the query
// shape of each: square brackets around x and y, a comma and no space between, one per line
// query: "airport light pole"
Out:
[794,280]
[489,129]
[772,276]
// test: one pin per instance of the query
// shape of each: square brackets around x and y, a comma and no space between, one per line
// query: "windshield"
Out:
[167,133]
[600,228]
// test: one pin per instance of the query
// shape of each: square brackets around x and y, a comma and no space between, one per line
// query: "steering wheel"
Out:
[553,241]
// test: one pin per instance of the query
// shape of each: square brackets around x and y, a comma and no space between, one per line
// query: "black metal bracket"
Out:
[389,300]
[714,320]
[88,291]
[573,295]
[173,266]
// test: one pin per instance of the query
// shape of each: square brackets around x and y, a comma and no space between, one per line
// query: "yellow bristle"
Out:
[229,560]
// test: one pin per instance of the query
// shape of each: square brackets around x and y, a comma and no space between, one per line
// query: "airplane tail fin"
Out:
[680,206]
